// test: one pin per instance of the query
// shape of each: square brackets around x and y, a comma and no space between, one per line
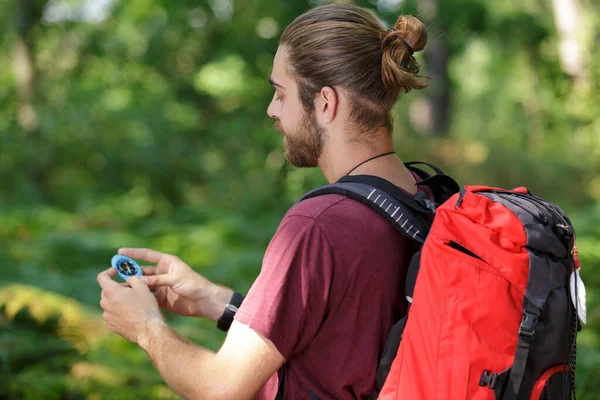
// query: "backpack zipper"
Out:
[544,205]
[542,215]
[545,208]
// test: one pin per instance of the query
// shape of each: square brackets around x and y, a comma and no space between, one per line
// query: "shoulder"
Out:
[330,208]
[332,213]
[318,206]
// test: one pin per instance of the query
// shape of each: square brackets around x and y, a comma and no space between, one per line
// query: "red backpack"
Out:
[492,309]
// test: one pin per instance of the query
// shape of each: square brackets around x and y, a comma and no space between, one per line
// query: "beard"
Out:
[304,146]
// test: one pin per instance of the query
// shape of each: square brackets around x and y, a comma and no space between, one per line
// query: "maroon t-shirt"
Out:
[330,288]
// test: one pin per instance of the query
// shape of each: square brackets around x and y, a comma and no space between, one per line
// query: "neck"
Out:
[341,156]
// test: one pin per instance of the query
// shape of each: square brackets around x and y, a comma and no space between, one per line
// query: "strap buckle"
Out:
[431,205]
[488,379]
[527,328]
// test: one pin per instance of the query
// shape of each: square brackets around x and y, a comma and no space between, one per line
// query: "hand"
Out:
[129,310]
[178,288]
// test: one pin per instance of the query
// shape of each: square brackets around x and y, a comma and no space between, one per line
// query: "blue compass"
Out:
[126,267]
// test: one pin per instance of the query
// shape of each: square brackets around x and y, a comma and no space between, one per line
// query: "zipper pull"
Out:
[462,193]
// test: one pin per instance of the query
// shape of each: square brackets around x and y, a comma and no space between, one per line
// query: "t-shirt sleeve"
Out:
[288,301]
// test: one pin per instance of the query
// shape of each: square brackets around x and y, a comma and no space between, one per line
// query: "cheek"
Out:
[289,127]
[292,117]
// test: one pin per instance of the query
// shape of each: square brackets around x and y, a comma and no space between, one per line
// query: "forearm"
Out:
[188,369]
[213,304]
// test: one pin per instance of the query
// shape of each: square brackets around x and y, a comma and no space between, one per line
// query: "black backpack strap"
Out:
[406,218]
[411,276]
[281,387]
[526,333]
[411,215]
[395,336]
[419,202]
[433,167]
[442,185]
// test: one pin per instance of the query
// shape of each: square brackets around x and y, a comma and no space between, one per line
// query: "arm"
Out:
[240,368]
[238,371]
[300,253]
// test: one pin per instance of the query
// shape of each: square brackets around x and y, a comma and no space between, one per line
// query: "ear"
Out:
[326,105]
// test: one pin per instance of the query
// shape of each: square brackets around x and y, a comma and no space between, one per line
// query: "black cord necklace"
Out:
[372,158]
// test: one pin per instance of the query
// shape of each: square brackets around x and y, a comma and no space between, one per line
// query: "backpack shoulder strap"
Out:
[442,186]
[419,203]
[407,215]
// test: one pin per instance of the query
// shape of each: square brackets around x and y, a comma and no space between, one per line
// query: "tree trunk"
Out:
[437,69]
[435,110]
[28,15]
[567,20]
[24,66]
[24,71]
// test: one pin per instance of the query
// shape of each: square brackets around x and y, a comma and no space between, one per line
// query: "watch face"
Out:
[126,268]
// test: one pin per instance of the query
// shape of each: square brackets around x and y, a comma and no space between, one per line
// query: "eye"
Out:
[278,97]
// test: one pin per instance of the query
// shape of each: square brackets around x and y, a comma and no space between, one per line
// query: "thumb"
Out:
[160,280]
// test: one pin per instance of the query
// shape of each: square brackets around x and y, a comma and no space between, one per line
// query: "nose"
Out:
[272,110]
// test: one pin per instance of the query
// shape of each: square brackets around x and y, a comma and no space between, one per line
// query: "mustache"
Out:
[279,127]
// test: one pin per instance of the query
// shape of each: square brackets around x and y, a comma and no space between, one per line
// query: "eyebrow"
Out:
[273,83]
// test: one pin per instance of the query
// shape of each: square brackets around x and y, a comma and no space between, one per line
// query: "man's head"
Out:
[340,57]
[303,136]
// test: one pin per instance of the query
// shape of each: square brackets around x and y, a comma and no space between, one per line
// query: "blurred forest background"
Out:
[143,123]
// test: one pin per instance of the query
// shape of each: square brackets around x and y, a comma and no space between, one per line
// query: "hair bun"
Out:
[399,68]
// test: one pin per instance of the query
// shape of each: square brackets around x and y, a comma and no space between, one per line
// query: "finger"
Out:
[136,283]
[150,255]
[161,297]
[112,272]
[161,280]
[148,270]
[105,279]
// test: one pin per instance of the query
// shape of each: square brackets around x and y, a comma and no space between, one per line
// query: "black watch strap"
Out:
[227,318]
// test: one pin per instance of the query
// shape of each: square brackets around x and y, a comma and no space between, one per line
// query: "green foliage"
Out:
[150,129]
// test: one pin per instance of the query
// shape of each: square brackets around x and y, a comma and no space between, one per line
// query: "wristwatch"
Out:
[230,309]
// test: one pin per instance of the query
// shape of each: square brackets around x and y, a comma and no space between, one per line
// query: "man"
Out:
[332,280]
